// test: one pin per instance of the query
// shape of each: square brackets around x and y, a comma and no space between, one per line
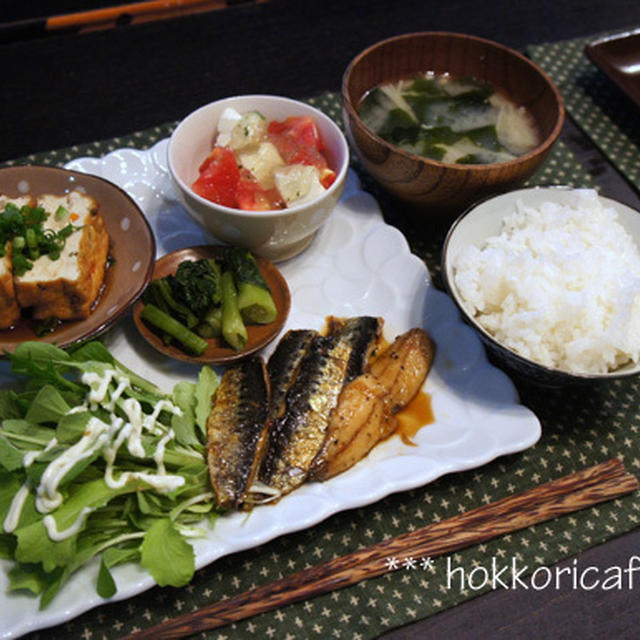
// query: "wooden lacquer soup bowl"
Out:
[429,183]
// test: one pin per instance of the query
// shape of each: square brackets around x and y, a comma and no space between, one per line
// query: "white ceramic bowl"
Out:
[484,220]
[275,235]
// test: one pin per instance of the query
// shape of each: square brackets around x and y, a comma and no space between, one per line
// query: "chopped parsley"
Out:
[23,226]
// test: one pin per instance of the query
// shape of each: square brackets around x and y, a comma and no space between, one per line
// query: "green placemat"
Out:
[609,117]
[579,429]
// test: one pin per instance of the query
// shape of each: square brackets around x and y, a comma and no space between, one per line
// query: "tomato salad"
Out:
[259,166]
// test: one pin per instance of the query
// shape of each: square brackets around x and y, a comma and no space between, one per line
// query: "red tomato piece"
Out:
[327,177]
[298,141]
[219,177]
[253,197]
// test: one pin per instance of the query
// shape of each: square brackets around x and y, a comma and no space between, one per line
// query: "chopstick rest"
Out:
[570,493]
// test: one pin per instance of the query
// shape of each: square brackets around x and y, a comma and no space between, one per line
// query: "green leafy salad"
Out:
[95,461]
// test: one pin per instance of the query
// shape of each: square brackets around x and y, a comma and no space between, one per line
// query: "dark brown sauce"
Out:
[413,417]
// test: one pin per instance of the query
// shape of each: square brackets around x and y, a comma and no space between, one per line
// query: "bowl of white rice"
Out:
[550,279]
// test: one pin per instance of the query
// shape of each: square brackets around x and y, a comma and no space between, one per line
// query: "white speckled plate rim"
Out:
[356,264]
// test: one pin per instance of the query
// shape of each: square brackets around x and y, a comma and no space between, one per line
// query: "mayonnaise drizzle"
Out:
[31,456]
[15,510]
[104,438]
[95,437]
[51,526]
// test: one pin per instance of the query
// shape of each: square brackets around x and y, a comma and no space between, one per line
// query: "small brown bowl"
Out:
[132,251]
[429,183]
[259,335]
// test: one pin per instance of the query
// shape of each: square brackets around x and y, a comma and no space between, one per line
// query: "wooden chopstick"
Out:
[107,17]
[570,493]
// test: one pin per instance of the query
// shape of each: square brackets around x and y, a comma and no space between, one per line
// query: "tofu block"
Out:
[9,309]
[67,288]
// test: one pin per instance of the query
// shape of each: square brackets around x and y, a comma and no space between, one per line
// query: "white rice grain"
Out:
[560,285]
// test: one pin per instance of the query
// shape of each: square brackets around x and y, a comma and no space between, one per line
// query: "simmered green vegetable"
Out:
[233,329]
[189,307]
[159,293]
[211,325]
[197,285]
[166,324]
[255,302]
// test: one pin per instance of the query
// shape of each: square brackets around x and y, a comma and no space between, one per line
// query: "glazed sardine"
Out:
[284,365]
[236,431]
[367,407]
[299,431]
[363,334]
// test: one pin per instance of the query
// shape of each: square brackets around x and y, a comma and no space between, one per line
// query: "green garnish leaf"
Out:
[62,213]
[205,388]
[9,404]
[11,458]
[29,577]
[34,543]
[106,586]
[184,396]
[10,483]
[166,554]
[72,426]
[47,406]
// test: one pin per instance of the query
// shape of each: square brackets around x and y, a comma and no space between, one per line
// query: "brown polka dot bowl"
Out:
[131,251]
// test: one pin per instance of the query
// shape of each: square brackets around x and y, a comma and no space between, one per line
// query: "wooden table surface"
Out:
[73,88]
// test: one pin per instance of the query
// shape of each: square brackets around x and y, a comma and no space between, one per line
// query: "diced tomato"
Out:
[327,177]
[298,141]
[219,177]
[253,197]
[221,180]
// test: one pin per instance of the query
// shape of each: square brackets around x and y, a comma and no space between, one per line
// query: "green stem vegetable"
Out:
[211,325]
[233,329]
[159,293]
[255,302]
[165,323]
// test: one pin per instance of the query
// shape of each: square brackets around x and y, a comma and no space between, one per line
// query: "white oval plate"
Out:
[356,264]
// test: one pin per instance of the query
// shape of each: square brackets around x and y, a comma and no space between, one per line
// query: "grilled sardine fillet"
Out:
[300,429]
[284,365]
[236,431]
[9,309]
[368,405]
[66,288]
[364,333]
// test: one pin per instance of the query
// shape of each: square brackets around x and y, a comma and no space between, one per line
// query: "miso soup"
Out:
[450,120]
